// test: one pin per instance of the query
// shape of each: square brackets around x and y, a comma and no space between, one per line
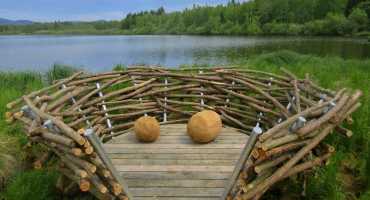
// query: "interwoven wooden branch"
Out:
[294,114]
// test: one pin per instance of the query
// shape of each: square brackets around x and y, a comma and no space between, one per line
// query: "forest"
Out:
[255,17]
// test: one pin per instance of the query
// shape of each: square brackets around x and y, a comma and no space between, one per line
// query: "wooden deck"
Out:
[175,168]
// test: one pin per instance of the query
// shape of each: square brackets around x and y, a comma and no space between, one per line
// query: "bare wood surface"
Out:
[176,170]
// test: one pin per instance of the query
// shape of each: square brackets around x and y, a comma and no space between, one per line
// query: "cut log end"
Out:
[81,141]
[83,174]
[103,189]
[117,189]
[77,152]
[37,164]
[89,150]
[18,114]
[84,185]
[9,105]
[81,131]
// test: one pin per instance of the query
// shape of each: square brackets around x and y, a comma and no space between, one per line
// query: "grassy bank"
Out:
[347,176]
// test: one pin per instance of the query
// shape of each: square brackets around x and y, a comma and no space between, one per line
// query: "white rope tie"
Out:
[140,99]
[201,93]
[109,124]
[227,99]
[165,102]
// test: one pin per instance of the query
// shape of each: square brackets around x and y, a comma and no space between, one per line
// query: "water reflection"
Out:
[100,53]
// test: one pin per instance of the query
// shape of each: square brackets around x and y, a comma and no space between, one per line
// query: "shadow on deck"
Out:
[173,167]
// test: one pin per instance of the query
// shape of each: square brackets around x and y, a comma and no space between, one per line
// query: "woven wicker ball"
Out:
[146,129]
[204,126]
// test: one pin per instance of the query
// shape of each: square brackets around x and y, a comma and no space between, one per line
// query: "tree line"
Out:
[255,17]
[280,17]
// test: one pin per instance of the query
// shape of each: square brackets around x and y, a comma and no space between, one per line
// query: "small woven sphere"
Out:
[146,129]
[204,126]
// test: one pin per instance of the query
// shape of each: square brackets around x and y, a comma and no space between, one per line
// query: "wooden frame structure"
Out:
[291,116]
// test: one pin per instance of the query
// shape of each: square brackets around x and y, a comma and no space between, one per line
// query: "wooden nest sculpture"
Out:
[274,127]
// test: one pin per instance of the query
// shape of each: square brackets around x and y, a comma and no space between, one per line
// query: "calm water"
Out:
[100,53]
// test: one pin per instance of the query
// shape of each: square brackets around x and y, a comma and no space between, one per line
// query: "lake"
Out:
[101,53]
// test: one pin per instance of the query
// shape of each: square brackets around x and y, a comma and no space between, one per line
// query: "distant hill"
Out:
[4,21]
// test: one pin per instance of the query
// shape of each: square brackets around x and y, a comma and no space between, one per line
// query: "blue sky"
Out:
[86,10]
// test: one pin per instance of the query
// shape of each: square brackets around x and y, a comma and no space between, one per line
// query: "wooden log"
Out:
[283,110]
[82,163]
[272,163]
[287,166]
[163,90]
[38,164]
[92,79]
[67,97]
[312,125]
[300,168]
[90,94]
[76,113]
[269,133]
[38,92]
[282,149]
[60,139]
[82,182]
[61,125]
[118,92]
[59,93]
[60,182]
[98,184]
[75,169]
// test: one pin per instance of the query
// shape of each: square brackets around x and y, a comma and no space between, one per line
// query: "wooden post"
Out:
[257,131]
[165,102]
[201,93]
[96,143]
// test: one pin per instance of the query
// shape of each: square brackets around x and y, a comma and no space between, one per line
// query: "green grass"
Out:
[32,185]
[347,176]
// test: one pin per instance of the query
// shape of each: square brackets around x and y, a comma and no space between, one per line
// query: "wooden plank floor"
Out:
[173,167]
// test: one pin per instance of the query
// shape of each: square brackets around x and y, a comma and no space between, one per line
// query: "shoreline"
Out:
[365,37]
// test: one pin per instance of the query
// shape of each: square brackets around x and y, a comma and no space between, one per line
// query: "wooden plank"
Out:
[176,192]
[190,156]
[175,146]
[171,140]
[132,138]
[173,168]
[176,198]
[171,162]
[183,131]
[176,183]
[173,151]
[176,175]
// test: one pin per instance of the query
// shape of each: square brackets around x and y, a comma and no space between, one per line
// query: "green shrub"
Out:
[59,71]
[336,24]
[358,20]
[119,67]
[32,185]
[275,28]
[253,28]
[316,27]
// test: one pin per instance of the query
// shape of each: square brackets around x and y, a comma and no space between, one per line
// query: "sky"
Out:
[88,10]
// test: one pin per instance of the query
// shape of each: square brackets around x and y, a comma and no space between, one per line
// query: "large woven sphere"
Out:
[146,129]
[204,126]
